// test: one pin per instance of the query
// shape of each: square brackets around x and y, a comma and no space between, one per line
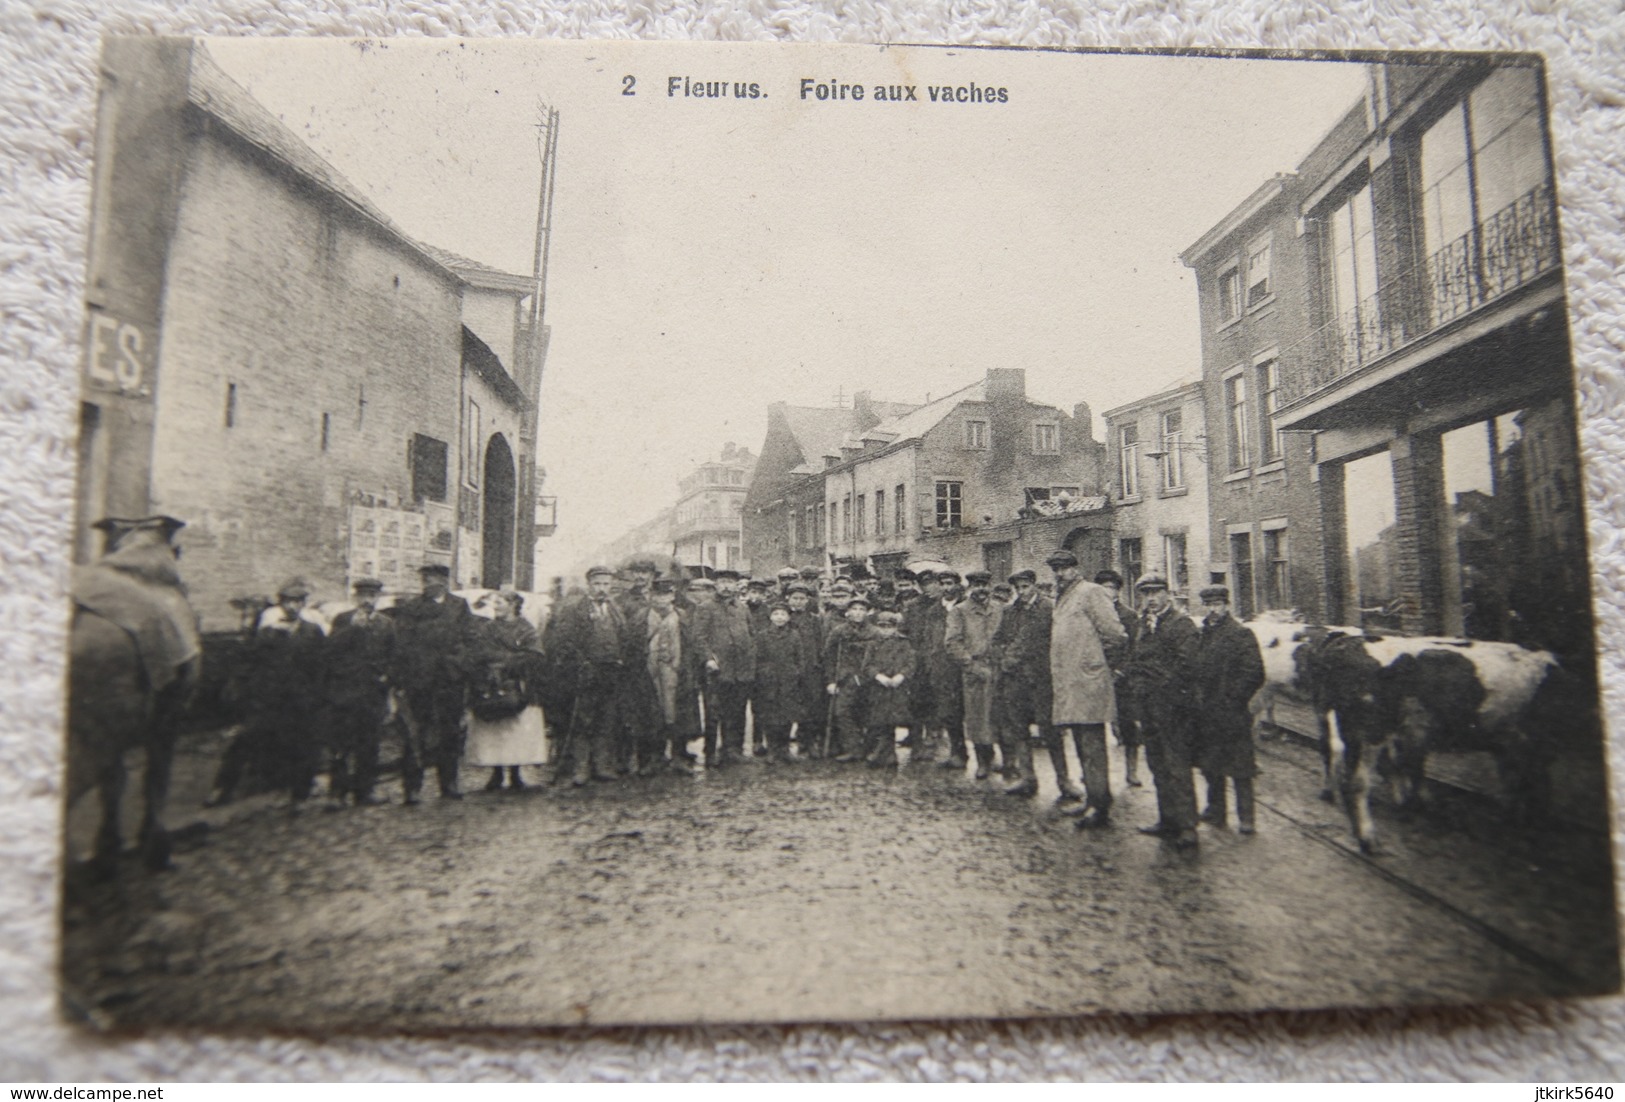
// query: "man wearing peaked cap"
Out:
[1155,687]
[1084,625]
[1229,668]
[590,648]
[359,660]
[972,625]
[1127,727]
[432,632]
[723,636]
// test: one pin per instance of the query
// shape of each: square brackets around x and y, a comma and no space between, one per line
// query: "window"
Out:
[1131,557]
[1173,439]
[976,434]
[809,528]
[1271,444]
[1230,294]
[1486,210]
[1128,449]
[1046,439]
[862,514]
[327,424]
[1235,404]
[846,518]
[793,534]
[1353,252]
[902,510]
[471,464]
[1277,577]
[880,513]
[950,504]
[231,405]
[428,460]
[1174,562]
[1258,271]
[822,534]
[1241,568]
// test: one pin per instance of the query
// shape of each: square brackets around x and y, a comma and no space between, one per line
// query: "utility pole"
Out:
[547,145]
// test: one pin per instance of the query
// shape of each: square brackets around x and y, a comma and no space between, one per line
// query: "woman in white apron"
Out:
[505,724]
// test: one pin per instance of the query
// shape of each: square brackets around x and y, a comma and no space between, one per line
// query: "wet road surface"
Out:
[821,891]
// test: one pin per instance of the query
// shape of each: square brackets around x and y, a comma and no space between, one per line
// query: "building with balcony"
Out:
[707,527]
[1156,473]
[982,478]
[1416,369]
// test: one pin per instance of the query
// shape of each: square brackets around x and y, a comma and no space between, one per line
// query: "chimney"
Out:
[1082,419]
[728,451]
[863,410]
[1006,383]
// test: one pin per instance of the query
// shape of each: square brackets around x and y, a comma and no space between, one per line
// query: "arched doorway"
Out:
[496,566]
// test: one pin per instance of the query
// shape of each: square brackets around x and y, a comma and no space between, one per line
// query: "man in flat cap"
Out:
[786,577]
[279,741]
[1156,687]
[666,704]
[592,645]
[937,698]
[1021,689]
[806,621]
[972,625]
[1084,625]
[432,633]
[722,631]
[1229,670]
[359,659]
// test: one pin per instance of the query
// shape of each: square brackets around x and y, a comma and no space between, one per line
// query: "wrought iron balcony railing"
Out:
[1505,251]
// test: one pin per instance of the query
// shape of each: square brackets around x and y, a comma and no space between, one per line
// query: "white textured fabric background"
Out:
[47,99]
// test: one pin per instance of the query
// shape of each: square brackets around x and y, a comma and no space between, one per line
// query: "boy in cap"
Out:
[889,663]
[845,648]
[359,658]
[1229,670]
[778,696]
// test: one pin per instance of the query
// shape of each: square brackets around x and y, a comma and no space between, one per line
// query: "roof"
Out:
[1188,382]
[483,274]
[488,366]
[818,432]
[1243,213]
[917,422]
[213,91]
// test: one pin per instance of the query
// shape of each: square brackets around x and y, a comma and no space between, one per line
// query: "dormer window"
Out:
[976,434]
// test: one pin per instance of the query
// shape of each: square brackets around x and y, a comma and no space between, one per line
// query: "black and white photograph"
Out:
[606,533]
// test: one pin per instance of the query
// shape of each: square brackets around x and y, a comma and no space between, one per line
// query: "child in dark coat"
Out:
[888,671]
[778,700]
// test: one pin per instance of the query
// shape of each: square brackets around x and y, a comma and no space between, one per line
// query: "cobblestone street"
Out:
[838,891]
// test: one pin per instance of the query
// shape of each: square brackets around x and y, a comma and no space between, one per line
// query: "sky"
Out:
[712,256]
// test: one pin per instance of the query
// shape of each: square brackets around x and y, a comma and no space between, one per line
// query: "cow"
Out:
[1386,702]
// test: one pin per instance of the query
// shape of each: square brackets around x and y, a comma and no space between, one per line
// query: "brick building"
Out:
[707,526]
[785,517]
[953,478]
[272,360]
[1422,381]
[1157,474]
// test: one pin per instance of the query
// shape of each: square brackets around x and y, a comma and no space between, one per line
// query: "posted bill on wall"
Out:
[684,533]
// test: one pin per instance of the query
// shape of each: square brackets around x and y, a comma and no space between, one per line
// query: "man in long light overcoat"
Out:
[1083,625]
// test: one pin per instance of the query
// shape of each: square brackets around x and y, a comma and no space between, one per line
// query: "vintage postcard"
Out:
[580,532]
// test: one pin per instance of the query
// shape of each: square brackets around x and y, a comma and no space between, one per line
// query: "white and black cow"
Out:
[1387,702]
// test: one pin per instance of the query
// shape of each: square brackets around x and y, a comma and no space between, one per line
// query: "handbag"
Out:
[499,693]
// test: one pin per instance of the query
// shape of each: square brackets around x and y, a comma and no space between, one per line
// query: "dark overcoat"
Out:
[1021,653]
[885,707]
[722,631]
[811,627]
[1228,670]
[783,655]
[358,659]
[1155,682]
[937,695]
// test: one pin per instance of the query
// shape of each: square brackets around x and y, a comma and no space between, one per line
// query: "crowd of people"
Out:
[628,674]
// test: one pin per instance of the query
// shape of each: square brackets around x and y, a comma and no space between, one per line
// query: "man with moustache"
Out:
[722,631]
[432,633]
[1156,686]
[972,625]
[1082,626]
[1229,669]
[592,640]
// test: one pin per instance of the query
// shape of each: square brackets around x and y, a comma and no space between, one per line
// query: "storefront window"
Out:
[1373,567]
